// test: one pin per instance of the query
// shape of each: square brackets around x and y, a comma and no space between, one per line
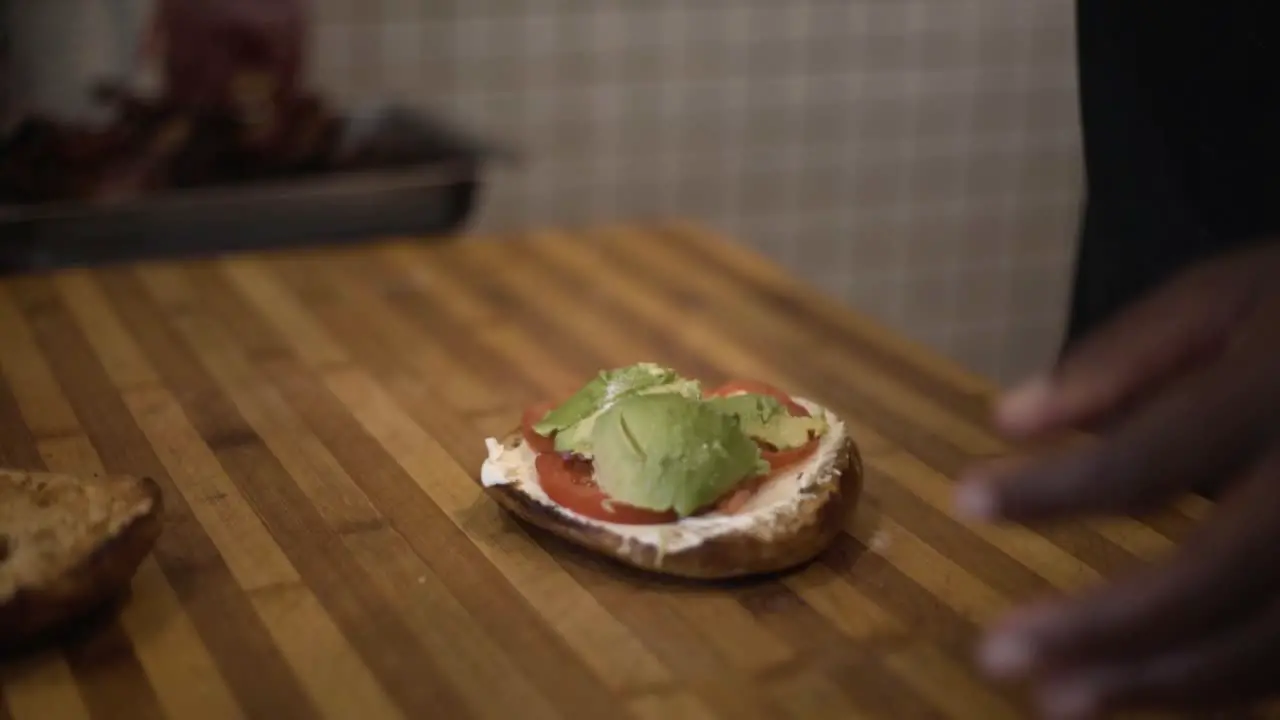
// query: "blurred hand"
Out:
[1188,384]
[217,52]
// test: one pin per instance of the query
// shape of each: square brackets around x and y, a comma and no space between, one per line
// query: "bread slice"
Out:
[68,545]
[792,519]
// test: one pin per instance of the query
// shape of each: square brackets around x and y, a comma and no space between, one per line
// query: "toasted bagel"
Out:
[791,520]
[69,545]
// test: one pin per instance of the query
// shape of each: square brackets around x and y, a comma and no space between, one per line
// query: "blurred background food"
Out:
[916,159]
[227,104]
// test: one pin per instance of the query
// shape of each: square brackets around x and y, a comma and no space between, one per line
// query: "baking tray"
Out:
[432,189]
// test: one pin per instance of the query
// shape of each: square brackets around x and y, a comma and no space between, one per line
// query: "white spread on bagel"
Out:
[764,514]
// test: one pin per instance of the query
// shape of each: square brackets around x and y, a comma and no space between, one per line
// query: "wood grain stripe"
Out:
[832,662]
[807,306]
[608,324]
[603,643]
[17,444]
[253,560]
[242,541]
[181,669]
[894,369]
[1050,562]
[103,662]
[874,576]
[671,634]
[675,706]
[216,606]
[178,423]
[474,386]
[445,309]
[719,297]
[940,530]
[363,619]
[523,340]
[497,599]
[288,317]
[469,659]
[931,568]
[121,358]
[878,693]
[45,410]
[186,680]
[812,694]
[955,692]
[847,610]
[41,685]
[570,318]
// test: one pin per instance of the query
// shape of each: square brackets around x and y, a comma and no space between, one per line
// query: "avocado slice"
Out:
[573,420]
[764,418]
[666,451]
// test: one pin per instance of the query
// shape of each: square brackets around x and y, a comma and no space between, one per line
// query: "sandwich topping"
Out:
[641,445]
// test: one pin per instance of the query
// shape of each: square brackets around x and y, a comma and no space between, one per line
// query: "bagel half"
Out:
[791,519]
[68,546]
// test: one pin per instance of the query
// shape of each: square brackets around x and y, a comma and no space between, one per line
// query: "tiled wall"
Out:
[916,158]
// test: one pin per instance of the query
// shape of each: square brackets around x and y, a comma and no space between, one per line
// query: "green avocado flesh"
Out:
[767,420]
[658,444]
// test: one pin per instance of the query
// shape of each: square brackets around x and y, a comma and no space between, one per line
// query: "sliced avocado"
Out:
[766,419]
[665,451]
[577,437]
[602,389]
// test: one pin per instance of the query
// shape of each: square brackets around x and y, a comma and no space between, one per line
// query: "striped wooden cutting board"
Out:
[316,420]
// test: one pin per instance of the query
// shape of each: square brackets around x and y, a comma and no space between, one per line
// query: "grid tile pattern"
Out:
[916,158]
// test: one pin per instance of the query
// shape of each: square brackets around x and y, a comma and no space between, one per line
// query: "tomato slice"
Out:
[777,459]
[532,416]
[756,387]
[568,482]
[782,459]
[736,499]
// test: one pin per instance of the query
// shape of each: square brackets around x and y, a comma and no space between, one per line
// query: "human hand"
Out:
[215,52]
[1188,384]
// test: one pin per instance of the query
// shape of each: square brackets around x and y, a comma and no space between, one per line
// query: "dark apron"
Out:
[1180,108]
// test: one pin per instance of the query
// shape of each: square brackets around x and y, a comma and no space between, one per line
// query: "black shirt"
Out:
[1180,109]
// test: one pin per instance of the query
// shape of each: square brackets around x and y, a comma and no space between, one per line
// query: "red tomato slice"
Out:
[777,459]
[532,416]
[569,483]
[756,387]
[733,502]
[782,459]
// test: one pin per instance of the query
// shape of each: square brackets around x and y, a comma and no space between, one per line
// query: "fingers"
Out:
[1223,573]
[1201,428]
[1235,667]
[1160,337]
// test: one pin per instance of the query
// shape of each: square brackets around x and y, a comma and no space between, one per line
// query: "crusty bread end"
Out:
[69,545]
[818,518]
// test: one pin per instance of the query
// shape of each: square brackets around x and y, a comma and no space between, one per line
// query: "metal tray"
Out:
[432,191]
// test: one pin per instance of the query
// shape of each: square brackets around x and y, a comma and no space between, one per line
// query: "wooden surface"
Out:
[317,420]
